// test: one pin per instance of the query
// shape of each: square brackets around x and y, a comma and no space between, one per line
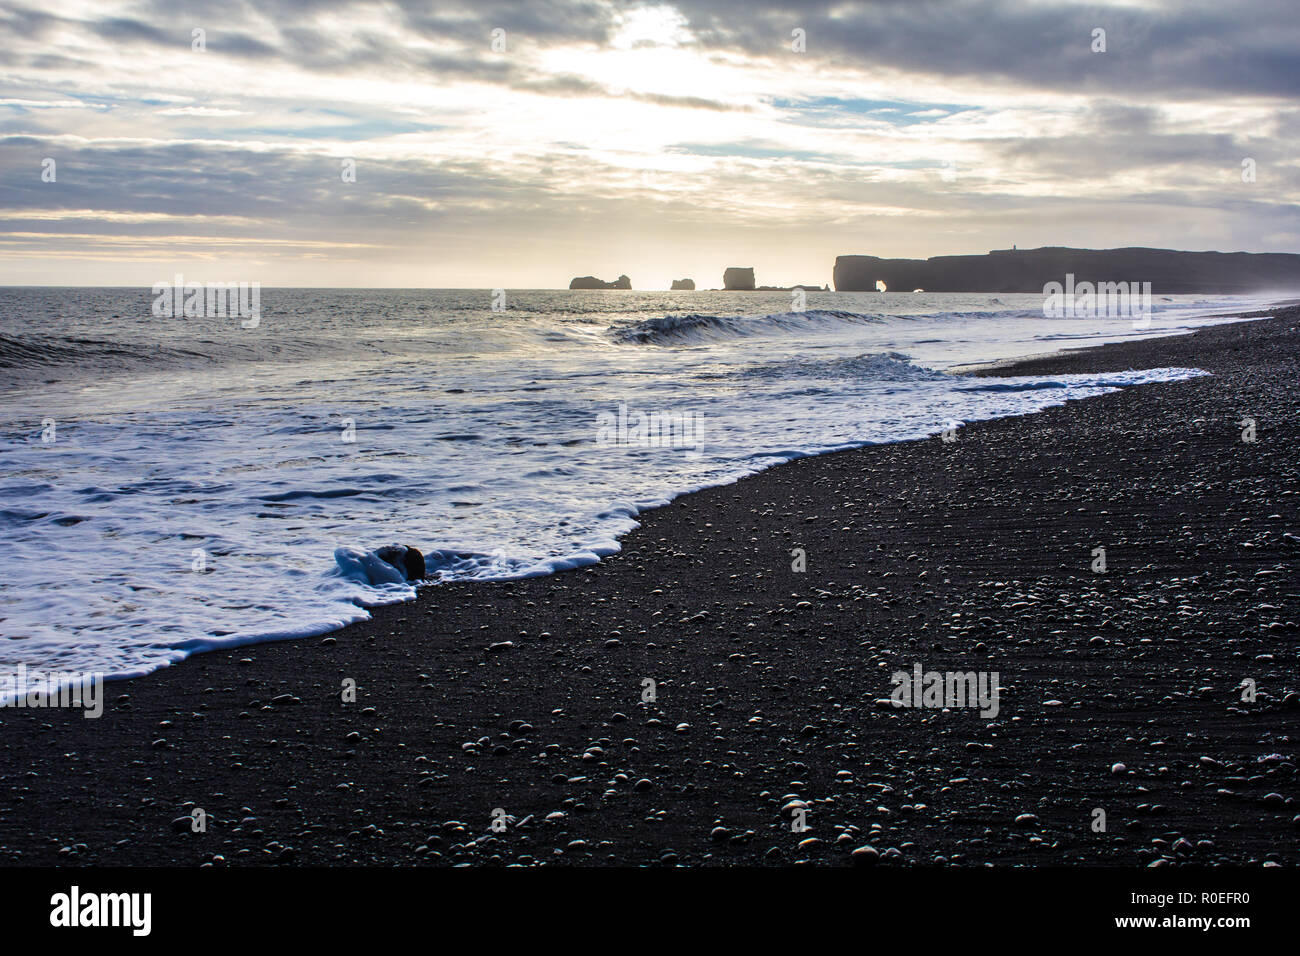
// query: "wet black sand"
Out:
[970,555]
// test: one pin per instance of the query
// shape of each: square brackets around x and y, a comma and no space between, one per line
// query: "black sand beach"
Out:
[527,697]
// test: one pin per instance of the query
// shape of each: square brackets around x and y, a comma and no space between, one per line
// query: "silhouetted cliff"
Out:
[683,285]
[1027,270]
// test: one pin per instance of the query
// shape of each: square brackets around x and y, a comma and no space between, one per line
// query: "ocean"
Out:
[170,485]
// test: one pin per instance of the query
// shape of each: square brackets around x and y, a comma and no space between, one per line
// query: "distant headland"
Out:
[1169,271]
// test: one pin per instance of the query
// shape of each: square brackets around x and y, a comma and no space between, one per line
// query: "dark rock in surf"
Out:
[406,559]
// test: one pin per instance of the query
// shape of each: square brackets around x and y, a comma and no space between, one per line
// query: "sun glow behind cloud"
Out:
[661,140]
[660,25]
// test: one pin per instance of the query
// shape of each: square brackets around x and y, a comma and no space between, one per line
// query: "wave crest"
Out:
[695,328]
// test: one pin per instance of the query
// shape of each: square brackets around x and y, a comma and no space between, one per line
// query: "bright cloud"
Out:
[505,144]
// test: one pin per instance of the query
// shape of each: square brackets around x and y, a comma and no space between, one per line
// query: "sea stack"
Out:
[683,285]
[591,282]
[738,279]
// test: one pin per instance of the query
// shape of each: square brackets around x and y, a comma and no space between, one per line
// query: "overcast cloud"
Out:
[660,140]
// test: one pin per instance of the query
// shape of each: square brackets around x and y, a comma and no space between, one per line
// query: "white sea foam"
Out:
[200,478]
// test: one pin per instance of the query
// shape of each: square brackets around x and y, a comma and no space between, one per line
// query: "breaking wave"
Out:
[696,328]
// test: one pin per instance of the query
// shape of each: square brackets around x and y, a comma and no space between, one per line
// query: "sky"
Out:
[519,144]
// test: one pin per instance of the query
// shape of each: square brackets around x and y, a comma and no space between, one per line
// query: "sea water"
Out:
[172,484]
